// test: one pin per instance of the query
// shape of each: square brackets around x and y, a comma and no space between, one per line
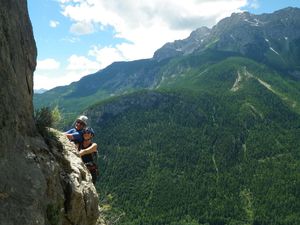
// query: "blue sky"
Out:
[78,37]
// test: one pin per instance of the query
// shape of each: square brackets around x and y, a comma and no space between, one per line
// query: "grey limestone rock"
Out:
[38,184]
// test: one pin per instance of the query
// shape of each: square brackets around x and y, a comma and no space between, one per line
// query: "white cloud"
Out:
[47,64]
[188,14]
[106,55]
[82,27]
[71,39]
[147,25]
[49,80]
[81,64]
[53,23]
[48,76]
[254,4]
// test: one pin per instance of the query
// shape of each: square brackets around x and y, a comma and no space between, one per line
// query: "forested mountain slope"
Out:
[225,150]
[205,132]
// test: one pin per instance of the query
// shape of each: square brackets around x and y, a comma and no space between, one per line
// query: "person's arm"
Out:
[74,135]
[69,136]
[88,150]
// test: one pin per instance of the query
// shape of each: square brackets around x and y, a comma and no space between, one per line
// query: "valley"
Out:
[205,135]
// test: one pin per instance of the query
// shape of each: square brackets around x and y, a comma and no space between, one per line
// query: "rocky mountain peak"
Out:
[238,17]
[245,33]
[200,33]
[182,47]
[288,11]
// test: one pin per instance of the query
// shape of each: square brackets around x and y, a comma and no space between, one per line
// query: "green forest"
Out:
[202,155]
[206,132]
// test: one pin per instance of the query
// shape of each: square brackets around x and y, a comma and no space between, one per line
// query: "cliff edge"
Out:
[40,183]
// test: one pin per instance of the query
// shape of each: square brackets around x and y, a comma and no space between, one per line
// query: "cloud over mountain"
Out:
[146,24]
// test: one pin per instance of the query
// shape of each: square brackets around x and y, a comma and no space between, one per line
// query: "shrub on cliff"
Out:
[43,119]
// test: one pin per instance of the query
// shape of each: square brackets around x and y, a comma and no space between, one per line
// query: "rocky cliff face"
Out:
[183,47]
[39,184]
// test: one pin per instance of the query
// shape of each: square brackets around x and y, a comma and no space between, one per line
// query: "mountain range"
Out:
[205,132]
[271,39]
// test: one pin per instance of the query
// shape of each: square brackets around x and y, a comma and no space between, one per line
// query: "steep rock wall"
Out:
[38,184]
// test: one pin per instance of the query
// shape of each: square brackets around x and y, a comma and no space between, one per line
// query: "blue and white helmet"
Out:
[89,130]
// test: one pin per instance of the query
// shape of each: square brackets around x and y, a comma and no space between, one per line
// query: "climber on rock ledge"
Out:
[88,152]
[82,136]
[76,134]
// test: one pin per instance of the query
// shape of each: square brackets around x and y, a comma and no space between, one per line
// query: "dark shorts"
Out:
[93,170]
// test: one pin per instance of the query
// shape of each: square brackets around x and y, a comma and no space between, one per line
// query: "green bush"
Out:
[43,120]
[56,116]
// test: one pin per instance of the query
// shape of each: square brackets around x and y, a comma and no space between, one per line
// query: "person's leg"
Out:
[94,176]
